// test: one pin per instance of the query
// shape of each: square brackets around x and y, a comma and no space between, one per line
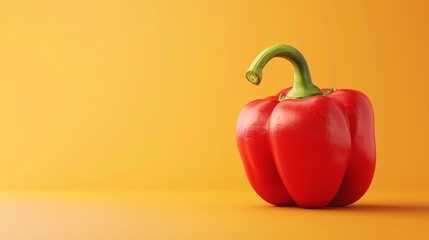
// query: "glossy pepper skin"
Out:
[305,146]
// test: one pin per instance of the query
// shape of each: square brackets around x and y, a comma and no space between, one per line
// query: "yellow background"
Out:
[146,94]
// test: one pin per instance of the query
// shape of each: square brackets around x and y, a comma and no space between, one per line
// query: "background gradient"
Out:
[146,94]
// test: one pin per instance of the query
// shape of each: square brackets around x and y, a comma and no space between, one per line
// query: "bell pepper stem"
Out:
[303,86]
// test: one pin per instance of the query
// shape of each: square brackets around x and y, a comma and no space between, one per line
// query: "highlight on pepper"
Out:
[306,146]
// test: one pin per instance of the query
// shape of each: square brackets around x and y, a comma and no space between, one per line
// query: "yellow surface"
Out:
[145,95]
[205,214]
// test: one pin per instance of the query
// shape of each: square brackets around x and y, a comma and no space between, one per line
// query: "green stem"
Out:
[303,86]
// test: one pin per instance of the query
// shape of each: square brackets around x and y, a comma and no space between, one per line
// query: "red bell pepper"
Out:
[305,146]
